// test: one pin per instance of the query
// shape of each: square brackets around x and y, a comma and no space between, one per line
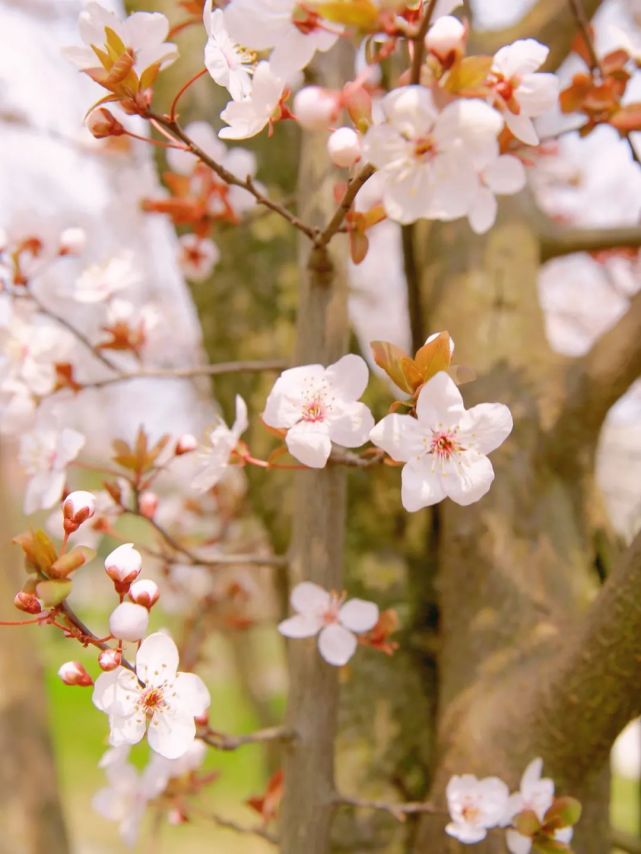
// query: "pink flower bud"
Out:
[185,444]
[73,241]
[109,659]
[202,720]
[344,147]
[128,622]
[77,508]
[177,816]
[27,602]
[148,504]
[316,108]
[144,592]
[123,566]
[73,673]
[102,123]
[446,39]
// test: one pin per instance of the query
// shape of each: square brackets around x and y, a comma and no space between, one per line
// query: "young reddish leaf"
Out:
[564,812]
[468,75]
[148,77]
[70,562]
[527,823]
[358,246]
[627,119]
[267,805]
[389,357]
[362,14]
[52,593]
[615,61]
[39,551]
[434,357]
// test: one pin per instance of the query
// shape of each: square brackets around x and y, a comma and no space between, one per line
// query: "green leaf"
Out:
[70,562]
[52,593]
[39,550]
[527,823]
[564,812]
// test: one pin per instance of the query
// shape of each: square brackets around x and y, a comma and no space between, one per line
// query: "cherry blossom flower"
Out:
[226,61]
[128,621]
[248,117]
[504,175]
[214,457]
[167,700]
[45,454]
[521,94]
[344,147]
[293,33]
[101,281]
[143,33]
[77,507]
[318,406]
[536,793]
[336,622]
[429,159]
[444,448]
[126,797]
[475,806]
[197,256]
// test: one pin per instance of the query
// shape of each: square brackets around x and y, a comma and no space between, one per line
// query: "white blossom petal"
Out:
[351,426]
[336,644]
[157,659]
[400,436]
[190,694]
[420,486]
[348,377]
[470,480]
[440,402]
[171,735]
[309,443]
[300,626]
[482,214]
[309,598]
[358,615]
[486,426]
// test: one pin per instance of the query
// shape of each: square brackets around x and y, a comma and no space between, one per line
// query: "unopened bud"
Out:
[27,602]
[202,719]
[73,241]
[144,592]
[177,816]
[128,622]
[109,659]
[185,444]
[446,39]
[102,123]
[316,108]
[148,504]
[77,508]
[73,673]
[344,147]
[123,566]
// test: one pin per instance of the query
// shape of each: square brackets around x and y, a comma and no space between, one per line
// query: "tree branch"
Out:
[399,811]
[594,383]
[557,241]
[549,21]
[228,824]
[232,742]
[219,369]
[594,691]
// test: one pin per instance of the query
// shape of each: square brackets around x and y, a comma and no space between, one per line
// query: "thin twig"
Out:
[75,621]
[228,824]
[232,742]
[419,43]
[219,369]
[247,183]
[333,226]
[399,811]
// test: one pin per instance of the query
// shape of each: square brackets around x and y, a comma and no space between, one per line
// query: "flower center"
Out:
[314,410]
[152,701]
[331,614]
[305,19]
[424,148]
[470,812]
[444,445]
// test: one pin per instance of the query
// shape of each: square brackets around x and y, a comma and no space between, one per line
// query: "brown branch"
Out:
[333,226]
[215,370]
[593,691]
[262,736]
[228,824]
[593,384]
[175,129]
[419,43]
[557,241]
[75,621]
[548,21]
[399,811]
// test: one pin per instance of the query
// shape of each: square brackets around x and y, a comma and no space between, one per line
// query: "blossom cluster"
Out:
[532,815]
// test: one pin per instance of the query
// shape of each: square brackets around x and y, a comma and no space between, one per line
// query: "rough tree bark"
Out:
[318,524]
[31,819]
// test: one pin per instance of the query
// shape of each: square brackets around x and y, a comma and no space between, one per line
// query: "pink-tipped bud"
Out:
[344,147]
[109,659]
[73,673]
[148,504]
[446,39]
[144,592]
[27,602]
[128,622]
[316,108]
[202,719]
[102,123]
[185,444]
[73,241]
[77,508]
[177,816]
[123,566]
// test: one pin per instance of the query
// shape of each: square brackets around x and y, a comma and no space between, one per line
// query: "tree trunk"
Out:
[30,809]
[517,569]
